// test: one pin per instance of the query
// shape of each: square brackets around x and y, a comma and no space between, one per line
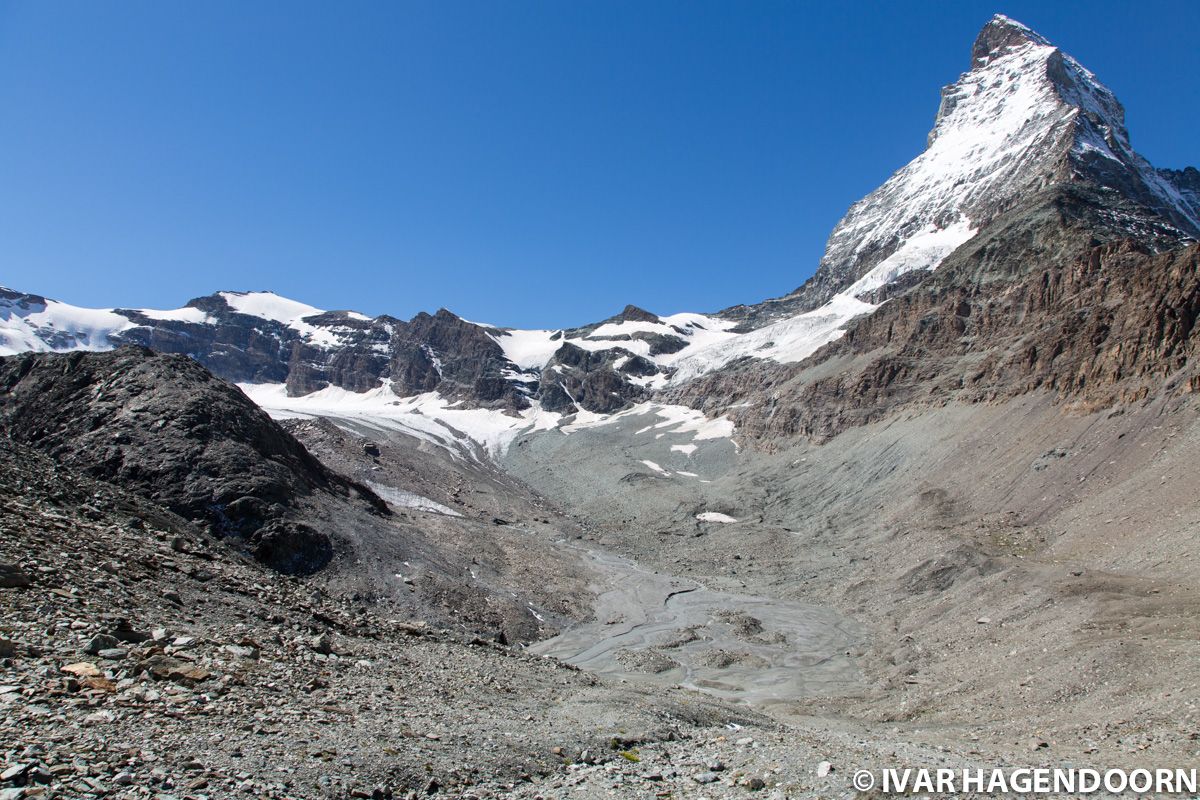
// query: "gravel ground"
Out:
[999,621]
[143,659]
[1024,574]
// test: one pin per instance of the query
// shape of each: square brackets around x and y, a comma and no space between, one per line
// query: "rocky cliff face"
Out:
[164,427]
[1092,301]
[594,380]
[241,338]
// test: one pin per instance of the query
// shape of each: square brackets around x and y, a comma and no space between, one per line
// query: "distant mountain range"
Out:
[1026,129]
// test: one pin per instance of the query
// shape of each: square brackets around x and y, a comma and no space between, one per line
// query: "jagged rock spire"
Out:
[1000,36]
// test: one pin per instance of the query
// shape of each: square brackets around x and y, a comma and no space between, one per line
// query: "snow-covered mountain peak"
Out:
[997,136]
[1076,86]
[1023,117]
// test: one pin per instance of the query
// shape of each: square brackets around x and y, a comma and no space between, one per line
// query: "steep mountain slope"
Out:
[1070,294]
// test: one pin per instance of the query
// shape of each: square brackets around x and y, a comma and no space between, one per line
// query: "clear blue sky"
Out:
[523,163]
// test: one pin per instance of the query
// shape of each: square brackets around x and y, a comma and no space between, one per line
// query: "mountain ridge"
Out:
[1023,118]
[166,428]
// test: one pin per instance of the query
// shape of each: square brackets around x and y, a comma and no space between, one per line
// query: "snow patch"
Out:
[291,313]
[671,419]
[185,314]
[403,499]
[428,417]
[533,349]
[527,349]
[792,339]
[268,305]
[925,249]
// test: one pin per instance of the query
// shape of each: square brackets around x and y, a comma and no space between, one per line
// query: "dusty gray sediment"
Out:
[798,650]
[999,558]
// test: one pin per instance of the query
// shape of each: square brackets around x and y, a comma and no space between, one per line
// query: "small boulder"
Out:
[99,684]
[127,633]
[82,669]
[322,643]
[101,641]
[15,771]
[166,668]
[248,652]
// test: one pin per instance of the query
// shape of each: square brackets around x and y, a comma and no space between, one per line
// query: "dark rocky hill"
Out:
[164,427]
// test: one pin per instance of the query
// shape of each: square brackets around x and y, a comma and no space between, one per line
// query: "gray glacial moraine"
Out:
[800,650]
[669,630]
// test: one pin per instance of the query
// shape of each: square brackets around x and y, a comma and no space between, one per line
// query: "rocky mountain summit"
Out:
[1069,294]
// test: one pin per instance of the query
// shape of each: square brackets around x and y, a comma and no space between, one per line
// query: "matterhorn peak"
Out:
[999,37]
[1026,116]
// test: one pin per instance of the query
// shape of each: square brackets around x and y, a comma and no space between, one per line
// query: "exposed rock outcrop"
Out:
[593,380]
[336,348]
